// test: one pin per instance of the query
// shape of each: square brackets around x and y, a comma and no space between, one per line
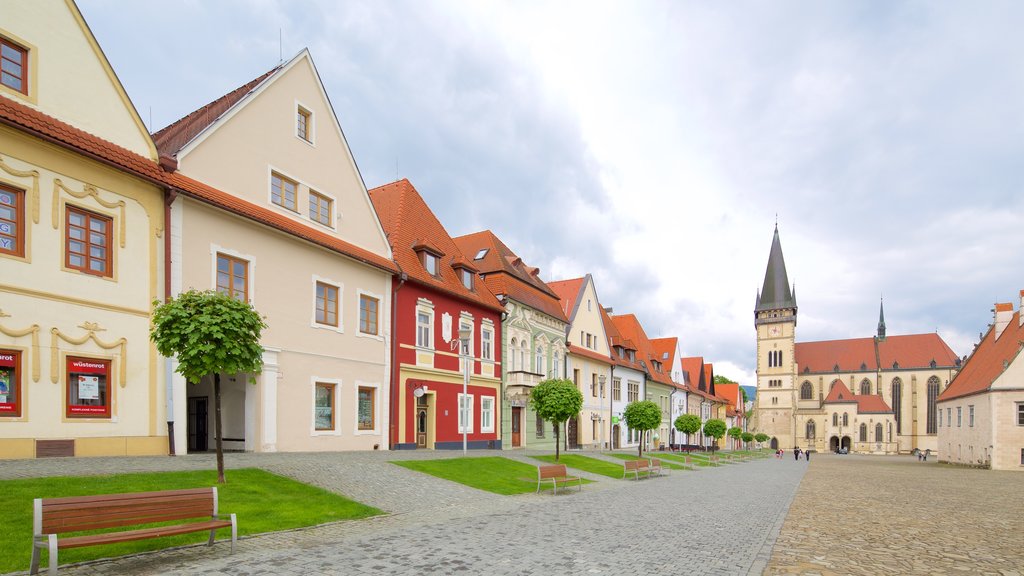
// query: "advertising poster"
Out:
[88,387]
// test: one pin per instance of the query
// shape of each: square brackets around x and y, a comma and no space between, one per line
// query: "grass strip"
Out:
[491,473]
[666,462]
[262,502]
[585,463]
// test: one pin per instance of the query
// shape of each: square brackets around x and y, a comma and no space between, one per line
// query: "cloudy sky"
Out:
[654,144]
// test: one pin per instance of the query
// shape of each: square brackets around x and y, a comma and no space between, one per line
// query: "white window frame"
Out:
[467,318]
[487,344]
[379,336]
[538,358]
[313,381]
[340,328]
[376,408]
[1020,410]
[489,412]
[970,415]
[469,413]
[310,126]
[959,416]
[251,288]
[425,307]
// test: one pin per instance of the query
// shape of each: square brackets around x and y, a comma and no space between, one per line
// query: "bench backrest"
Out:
[551,471]
[636,464]
[655,463]
[78,513]
[687,459]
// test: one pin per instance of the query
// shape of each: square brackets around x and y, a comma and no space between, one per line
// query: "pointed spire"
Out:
[881,319]
[776,292]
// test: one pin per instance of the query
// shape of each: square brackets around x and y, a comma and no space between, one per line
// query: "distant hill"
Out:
[751,391]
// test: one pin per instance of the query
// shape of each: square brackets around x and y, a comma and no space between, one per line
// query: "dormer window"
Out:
[466,277]
[13,66]
[430,262]
[632,356]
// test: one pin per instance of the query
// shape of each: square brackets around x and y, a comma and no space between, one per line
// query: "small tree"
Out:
[643,416]
[761,438]
[735,432]
[556,401]
[747,438]
[209,333]
[687,423]
[714,428]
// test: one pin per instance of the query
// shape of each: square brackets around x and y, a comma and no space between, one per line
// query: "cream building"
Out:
[274,211]
[981,414]
[875,394]
[81,246]
[588,362]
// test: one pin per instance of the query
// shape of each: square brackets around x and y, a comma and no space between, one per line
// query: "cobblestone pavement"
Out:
[894,515]
[711,521]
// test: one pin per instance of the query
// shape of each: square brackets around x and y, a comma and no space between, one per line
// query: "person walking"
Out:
[796,453]
[807,456]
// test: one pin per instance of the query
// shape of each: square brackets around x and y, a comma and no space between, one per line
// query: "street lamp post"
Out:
[464,354]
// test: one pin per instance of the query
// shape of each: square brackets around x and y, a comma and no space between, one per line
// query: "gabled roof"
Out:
[988,361]
[665,350]
[408,222]
[631,329]
[506,274]
[775,293]
[615,338]
[731,393]
[693,372]
[568,291]
[872,354]
[173,137]
[866,403]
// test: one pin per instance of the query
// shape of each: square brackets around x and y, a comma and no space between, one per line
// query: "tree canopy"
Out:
[761,437]
[643,416]
[735,432]
[714,428]
[556,400]
[688,423]
[748,437]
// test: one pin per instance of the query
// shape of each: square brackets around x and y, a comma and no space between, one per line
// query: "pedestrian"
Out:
[926,453]
[796,453]
[807,455]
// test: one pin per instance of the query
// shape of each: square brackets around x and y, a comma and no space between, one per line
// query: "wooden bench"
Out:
[714,460]
[54,516]
[556,473]
[688,462]
[635,467]
[655,466]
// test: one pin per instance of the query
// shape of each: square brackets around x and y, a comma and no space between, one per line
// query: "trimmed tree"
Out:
[716,429]
[687,423]
[209,333]
[747,438]
[761,437]
[643,416]
[556,401]
[735,432]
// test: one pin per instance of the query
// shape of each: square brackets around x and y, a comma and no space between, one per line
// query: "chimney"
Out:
[1004,312]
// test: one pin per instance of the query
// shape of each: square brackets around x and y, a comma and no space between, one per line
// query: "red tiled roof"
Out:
[693,370]
[581,351]
[866,403]
[988,361]
[567,291]
[615,339]
[408,221]
[665,350]
[173,137]
[30,120]
[512,278]
[629,327]
[731,393]
[856,354]
[271,218]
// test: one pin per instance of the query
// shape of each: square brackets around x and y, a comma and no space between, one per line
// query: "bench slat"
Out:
[78,500]
[142,534]
[111,520]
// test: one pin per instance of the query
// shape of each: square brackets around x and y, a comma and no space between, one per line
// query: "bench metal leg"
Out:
[34,567]
[53,555]
[234,532]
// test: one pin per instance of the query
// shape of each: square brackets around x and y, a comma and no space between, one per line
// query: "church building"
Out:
[869,395]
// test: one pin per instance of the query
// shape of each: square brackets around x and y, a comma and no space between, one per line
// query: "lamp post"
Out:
[464,354]
[601,379]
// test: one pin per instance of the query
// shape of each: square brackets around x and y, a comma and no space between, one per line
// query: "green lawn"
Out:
[585,463]
[666,462]
[491,473]
[696,458]
[262,502]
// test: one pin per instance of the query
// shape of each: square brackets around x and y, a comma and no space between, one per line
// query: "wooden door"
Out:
[517,421]
[573,433]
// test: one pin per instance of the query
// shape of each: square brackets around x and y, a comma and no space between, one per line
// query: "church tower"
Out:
[775,322]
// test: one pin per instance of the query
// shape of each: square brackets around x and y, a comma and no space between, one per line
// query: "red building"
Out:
[436,295]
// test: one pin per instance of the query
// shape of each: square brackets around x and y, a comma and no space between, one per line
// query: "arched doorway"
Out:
[774,444]
[833,444]
[846,443]
[615,437]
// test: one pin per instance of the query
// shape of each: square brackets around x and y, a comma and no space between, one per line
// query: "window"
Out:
[540,427]
[865,387]
[846,420]
[959,415]
[512,355]
[466,413]
[940,418]
[806,391]
[480,254]
[949,417]
[323,410]
[633,391]
[366,407]
[430,263]
[810,430]
[368,315]
[593,430]
[12,221]
[13,66]
[233,277]
[897,400]
[933,396]
[466,346]
[304,124]
[863,432]
[556,365]
[326,304]
[588,340]
[878,432]
[320,208]
[466,277]
[1020,414]
[486,343]
[282,191]
[970,416]
[593,385]
[835,419]
[10,383]
[616,389]
[424,331]
[487,414]
[88,388]
[88,242]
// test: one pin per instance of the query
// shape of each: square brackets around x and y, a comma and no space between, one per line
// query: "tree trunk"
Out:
[640,446]
[557,441]
[217,428]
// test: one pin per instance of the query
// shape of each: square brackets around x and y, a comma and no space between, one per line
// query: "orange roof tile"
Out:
[988,361]
[693,372]
[629,327]
[173,137]
[866,403]
[731,393]
[505,274]
[408,222]
[856,354]
[615,338]
[567,291]
[581,351]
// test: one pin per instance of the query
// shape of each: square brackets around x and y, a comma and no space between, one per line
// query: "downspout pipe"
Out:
[170,195]
[392,433]
[611,408]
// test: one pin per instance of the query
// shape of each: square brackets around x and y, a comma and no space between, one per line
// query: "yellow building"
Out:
[81,246]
